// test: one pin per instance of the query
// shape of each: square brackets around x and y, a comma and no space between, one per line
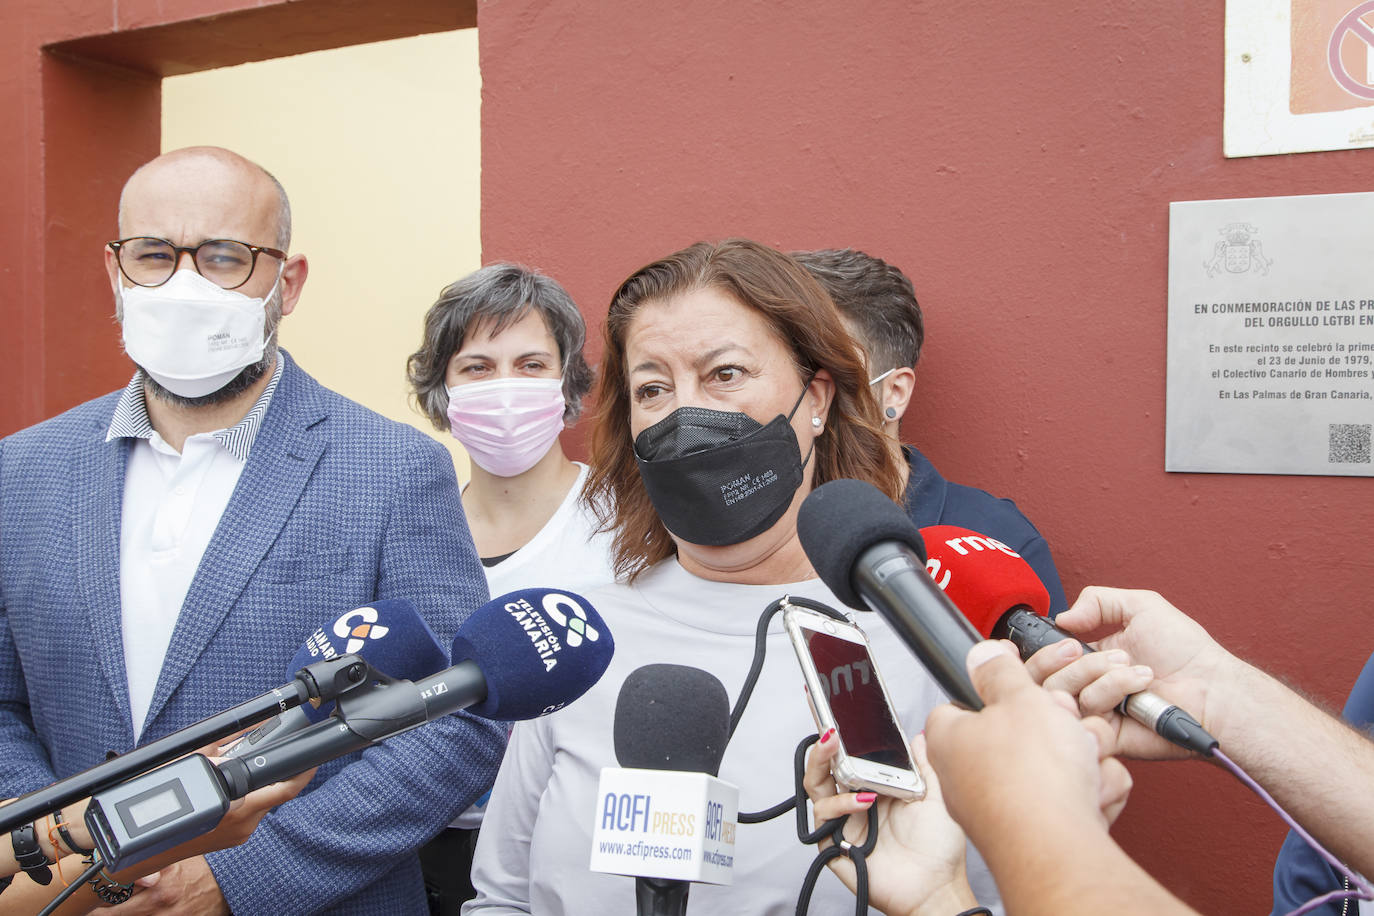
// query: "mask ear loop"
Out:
[281,269]
[807,457]
[833,828]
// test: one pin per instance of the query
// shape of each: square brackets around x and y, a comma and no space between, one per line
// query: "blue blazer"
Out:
[336,507]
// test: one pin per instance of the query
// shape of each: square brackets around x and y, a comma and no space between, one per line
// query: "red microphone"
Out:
[986,579]
[1003,598]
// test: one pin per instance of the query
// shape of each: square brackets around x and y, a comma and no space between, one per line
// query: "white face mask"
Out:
[507,424]
[190,335]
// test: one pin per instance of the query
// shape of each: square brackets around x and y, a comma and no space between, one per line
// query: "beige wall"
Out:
[378,147]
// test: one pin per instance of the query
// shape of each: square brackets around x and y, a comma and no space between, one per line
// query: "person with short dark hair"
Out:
[1300,873]
[501,367]
[878,304]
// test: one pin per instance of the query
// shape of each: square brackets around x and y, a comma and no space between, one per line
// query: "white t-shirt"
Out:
[567,553]
[535,845]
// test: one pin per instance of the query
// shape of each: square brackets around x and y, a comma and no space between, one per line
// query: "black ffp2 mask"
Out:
[717,477]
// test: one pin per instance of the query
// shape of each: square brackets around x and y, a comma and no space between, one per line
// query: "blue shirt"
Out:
[932,500]
[1300,874]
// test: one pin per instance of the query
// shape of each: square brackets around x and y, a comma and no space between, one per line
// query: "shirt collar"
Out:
[131,420]
[925,489]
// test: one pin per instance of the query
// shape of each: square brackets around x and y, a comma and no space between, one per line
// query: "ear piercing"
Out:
[816,422]
[891,413]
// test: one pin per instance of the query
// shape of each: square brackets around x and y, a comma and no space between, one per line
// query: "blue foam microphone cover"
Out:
[391,635]
[672,717]
[538,648]
[841,519]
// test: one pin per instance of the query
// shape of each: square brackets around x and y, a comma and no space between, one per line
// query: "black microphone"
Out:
[519,656]
[670,717]
[324,680]
[866,551]
[389,709]
[161,809]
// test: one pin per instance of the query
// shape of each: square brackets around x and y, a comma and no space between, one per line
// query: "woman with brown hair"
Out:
[729,389]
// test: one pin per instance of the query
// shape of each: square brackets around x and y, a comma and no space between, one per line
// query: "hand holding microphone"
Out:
[868,552]
[1004,599]
[1036,791]
[1187,667]
[1061,762]
[1025,777]
[854,538]
[235,827]
[519,656]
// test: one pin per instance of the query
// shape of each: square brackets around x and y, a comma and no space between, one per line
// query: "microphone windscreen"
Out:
[841,519]
[391,635]
[538,649]
[982,576]
[672,717]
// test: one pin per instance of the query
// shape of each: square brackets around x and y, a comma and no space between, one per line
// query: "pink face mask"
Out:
[507,424]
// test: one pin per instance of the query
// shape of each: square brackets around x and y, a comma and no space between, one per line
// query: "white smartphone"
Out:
[847,693]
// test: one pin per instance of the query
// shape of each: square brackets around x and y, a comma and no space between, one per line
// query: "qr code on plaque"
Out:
[1349,443]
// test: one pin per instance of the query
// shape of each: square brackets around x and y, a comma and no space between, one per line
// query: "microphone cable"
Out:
[833,828]
[1355,888]
[89,874]
[751,681]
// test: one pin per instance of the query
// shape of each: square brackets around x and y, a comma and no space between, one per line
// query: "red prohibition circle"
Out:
[1352,23]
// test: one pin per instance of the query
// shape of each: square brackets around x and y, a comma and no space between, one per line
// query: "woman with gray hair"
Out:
[501,367]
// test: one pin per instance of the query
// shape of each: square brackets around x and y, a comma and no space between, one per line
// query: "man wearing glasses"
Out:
[165,550]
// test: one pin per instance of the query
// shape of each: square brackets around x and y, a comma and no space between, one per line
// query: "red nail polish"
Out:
[828,734]
[866,798]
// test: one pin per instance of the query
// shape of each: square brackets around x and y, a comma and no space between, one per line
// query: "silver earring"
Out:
[816,422]
[892,413]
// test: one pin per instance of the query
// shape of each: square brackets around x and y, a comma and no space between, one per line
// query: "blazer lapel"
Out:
[283,457]
[97,494]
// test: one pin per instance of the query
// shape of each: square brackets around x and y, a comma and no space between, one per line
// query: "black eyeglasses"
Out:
[224,262]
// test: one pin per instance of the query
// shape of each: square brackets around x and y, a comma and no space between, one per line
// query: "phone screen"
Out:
[862,716]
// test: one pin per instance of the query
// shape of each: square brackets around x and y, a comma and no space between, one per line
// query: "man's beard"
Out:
[246,379]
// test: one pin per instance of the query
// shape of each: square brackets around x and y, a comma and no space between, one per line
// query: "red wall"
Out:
[1018,162]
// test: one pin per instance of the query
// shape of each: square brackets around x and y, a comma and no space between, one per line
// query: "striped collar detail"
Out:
[131,420]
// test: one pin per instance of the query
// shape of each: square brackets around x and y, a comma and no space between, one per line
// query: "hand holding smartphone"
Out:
[847,693]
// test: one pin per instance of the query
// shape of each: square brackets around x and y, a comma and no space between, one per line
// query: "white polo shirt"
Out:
[173,501]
